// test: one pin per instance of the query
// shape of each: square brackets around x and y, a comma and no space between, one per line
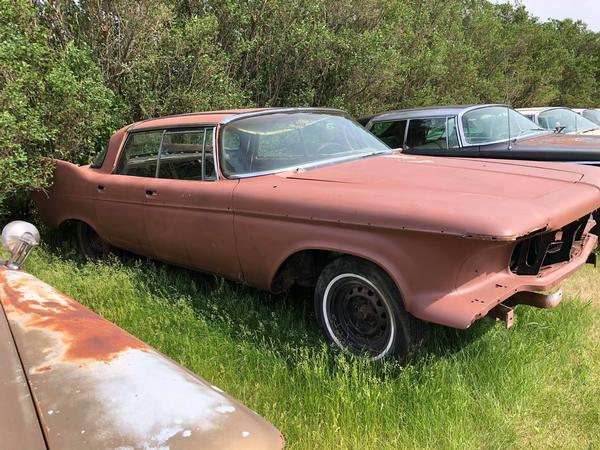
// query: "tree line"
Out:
[72,72]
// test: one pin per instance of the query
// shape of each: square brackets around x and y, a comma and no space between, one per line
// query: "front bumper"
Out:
[466,304]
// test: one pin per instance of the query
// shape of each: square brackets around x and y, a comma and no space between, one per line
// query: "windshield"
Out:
[592,115]
[286,140]
[490,124]
[565,121]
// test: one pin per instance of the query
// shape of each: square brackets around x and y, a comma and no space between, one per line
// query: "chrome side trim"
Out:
[323,162]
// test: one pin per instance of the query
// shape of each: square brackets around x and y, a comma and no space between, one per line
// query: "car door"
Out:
[120,197]
[188,215]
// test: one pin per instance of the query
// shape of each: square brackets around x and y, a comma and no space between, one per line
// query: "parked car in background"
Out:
[307,196]
[561,120]
[590,114]
[71,380]
[483,131]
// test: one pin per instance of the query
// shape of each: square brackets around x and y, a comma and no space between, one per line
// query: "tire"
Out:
[90,245]
[359,310]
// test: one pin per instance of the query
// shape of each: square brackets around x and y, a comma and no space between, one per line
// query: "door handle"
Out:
[150,193]
[100,187]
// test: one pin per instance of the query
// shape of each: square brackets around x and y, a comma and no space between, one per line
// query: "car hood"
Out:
[472,198]
[585,143]
[96,386]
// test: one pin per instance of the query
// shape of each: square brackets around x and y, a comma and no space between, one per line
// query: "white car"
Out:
[563,120]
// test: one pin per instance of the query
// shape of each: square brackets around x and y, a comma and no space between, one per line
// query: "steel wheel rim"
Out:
[357,316]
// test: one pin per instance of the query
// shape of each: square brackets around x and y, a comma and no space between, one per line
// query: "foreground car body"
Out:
[306,196]
[563,120]
[482,131]
[72,380]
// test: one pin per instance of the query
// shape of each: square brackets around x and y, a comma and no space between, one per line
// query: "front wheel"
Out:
[360,311]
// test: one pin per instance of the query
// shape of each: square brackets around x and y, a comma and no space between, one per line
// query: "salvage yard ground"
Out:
[536,385]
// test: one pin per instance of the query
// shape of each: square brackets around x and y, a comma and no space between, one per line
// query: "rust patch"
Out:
[561,140]
[33,304]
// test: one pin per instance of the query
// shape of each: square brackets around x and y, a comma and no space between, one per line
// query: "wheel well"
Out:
[69,225]
[301,268]
[304,267]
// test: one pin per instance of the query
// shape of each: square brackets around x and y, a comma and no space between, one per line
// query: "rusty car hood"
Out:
[473,198]
[576,142]
[95,386]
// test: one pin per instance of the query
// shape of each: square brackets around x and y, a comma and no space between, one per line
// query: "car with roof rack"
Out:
[306,196]
[561,120]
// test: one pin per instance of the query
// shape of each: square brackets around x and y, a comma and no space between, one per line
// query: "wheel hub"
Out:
[361,318]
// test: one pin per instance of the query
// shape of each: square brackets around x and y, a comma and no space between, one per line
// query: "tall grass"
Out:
[536,385]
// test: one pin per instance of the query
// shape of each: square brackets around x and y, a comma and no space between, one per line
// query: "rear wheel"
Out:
[360,311]
[89,243]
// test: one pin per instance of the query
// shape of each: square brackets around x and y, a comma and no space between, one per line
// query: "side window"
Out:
[392,133]
[183,155]
[140,154]
[452,133]
[427,133]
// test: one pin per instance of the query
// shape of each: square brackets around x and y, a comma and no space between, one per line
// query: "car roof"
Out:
[427,111]
[539,109]
[214,117]
[580,110]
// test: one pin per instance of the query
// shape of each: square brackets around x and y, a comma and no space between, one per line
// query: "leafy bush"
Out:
[53,102]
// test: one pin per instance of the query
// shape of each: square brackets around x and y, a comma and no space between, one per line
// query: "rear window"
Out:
[99,159]
[140,155]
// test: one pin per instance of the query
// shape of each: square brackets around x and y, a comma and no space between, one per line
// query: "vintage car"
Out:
[590,114]
[71,380]
[307,196]
[479,131]
[561,120]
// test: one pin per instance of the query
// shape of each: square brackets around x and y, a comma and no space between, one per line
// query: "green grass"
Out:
[534,386]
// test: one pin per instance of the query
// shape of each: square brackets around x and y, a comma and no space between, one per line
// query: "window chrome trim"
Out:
[196,129]
[159,154]
[311,165]
[265,112]
[214,152]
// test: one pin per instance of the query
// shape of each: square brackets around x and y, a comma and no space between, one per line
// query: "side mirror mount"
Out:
[19,238]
